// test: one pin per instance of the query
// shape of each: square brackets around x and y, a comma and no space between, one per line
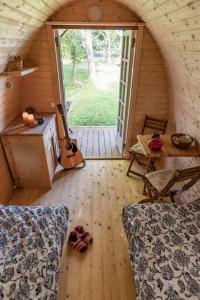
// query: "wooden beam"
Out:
[95,24]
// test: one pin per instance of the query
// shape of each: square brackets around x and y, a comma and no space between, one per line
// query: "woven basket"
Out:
[180,144]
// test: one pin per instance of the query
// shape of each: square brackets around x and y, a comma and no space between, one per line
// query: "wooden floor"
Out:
[95,197]
[97,142]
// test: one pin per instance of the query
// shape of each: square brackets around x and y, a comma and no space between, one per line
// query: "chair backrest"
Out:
[155,124]
[190,176]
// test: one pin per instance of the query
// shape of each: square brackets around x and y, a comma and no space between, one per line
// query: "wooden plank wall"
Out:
[18,28]
[112,11]
[10,107]
[176,28]
[38,89]
[19,24]
[152,94]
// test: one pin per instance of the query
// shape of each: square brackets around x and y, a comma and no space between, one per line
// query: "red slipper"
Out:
[84,235]
[76,242]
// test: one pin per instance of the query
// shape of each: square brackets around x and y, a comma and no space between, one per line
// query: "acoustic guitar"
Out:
[70,154]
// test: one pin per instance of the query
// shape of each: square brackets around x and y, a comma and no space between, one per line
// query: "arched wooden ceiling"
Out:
[170,21]
[175,24]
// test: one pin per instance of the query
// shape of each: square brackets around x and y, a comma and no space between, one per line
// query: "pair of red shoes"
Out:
[80,239]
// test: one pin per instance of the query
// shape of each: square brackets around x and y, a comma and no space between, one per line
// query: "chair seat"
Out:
[160,179]
[136,149]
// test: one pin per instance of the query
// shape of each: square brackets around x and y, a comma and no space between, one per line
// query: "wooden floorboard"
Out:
[97,142]
[95,197]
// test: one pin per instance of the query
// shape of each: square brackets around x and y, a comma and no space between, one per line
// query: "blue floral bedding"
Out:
[31,243]
[164,248]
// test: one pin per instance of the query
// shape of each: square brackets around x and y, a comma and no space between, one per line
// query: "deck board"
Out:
[96,152]
[97,142]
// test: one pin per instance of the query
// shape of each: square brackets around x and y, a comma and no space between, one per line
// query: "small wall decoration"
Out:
[9,84]
[15,63]
[94,13]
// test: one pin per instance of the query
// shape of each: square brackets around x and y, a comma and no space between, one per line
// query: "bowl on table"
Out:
[182,140]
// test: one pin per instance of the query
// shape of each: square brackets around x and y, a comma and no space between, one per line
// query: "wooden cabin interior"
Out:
[164,84]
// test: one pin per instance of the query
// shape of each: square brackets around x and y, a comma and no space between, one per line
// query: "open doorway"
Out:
[96,70]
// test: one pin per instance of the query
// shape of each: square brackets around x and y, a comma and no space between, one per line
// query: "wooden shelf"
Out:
[24,72]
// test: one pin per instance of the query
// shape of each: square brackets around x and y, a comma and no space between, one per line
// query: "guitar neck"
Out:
[61,111]
[65,128]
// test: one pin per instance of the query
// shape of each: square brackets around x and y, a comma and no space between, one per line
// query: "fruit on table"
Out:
[155,144]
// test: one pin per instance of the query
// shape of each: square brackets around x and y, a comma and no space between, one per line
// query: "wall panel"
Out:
[176,30]
[10,108]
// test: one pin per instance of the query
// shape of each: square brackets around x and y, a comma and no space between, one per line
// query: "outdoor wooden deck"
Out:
[97,142]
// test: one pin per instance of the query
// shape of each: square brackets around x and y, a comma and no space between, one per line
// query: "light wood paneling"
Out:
[10,107]
[111,11]
[19,22]
[175,26]
[151,95]
[38,89]
[95,196]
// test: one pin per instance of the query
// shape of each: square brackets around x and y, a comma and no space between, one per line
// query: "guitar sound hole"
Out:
[72,147]
[69,147]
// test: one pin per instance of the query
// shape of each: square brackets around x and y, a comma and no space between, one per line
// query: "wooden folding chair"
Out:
[168,182]
[136,151]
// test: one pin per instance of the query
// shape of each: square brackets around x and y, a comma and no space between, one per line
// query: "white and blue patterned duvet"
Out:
[31,243]
[164,248]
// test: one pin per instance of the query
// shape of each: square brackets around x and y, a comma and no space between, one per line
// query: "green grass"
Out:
[82,73]
[90,106]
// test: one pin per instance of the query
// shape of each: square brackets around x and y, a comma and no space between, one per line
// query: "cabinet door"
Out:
[27,161]
[51,158]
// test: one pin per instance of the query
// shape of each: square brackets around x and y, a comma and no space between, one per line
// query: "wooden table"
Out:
[168,150]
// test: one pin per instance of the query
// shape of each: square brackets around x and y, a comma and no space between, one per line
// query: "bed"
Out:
[164,249]
[31,243]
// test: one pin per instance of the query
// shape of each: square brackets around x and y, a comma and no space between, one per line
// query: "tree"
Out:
[90,55]
[107,43]
[72,48]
